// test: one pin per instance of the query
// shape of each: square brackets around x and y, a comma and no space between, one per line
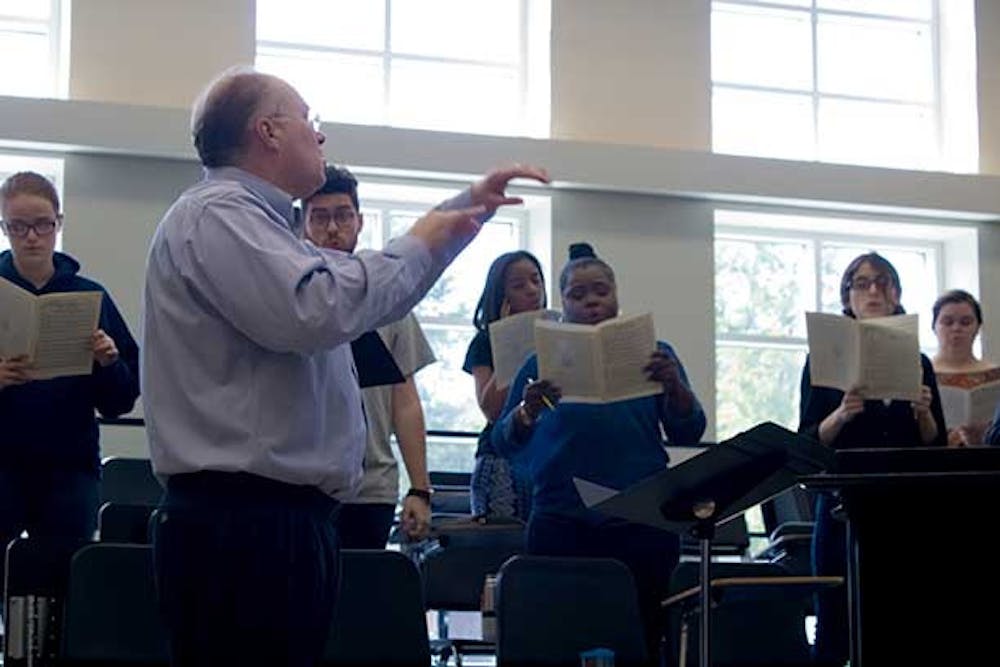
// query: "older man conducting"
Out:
[253,410]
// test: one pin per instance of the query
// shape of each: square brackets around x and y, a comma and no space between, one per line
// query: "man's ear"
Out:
[266,131]
[361,222]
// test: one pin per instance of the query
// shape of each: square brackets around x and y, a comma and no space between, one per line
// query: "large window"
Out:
[30,41]
[51,168]
[458,65]
[447,392]
[851,81]
[771,269]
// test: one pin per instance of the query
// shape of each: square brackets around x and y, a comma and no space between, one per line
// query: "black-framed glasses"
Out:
[41,227]
[321,218]
[864,283]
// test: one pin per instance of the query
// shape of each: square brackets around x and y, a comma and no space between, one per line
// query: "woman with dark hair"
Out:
[869,288]
[515,284]
[612,444]
[49,453]
[957,320]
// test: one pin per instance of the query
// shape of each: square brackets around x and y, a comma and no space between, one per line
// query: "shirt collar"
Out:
[277,198]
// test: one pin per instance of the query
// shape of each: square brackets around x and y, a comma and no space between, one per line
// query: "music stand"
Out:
[725,480]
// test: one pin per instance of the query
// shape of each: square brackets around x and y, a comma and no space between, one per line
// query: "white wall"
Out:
[155,53]
[632,72]
[988,73]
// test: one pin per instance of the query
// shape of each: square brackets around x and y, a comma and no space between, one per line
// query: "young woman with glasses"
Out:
[49,453]
[869,288]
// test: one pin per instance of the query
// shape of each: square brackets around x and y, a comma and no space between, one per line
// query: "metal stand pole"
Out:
[704,530]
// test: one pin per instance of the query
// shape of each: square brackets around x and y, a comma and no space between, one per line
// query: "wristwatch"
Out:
[423,494]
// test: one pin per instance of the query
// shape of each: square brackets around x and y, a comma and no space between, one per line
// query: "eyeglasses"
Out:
[864,283]
[313,119]
[321,218]
[41,227]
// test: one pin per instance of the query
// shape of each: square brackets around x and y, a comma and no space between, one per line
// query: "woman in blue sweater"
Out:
[49,455]
[612,444]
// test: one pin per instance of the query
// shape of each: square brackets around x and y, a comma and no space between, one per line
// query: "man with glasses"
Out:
[253,411]
[333,220]
[49,450]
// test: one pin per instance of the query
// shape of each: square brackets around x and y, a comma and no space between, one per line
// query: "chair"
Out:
[111,617]
[379,615]
[35,592]
[129,481]
[451,493]
[790,546]
[118,522]
[732,538]
[789,517]
[549,610]
[454,568]
[758,614]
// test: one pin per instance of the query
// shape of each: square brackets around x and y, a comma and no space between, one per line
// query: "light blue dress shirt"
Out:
[246,362]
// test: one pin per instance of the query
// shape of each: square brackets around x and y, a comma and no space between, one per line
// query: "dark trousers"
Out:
[246,570]
[365,525]
[829,558]
[650,554]
[47,503]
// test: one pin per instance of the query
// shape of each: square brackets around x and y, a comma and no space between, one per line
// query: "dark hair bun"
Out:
[578,250]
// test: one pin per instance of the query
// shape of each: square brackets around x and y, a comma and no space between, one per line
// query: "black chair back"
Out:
[111,612]
[117,522]
[129,482]
[549,610]
[379,615]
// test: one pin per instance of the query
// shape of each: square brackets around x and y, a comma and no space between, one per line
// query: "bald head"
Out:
[220,120]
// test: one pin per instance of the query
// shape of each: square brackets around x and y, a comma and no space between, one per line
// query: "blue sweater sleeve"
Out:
[118,383]
[503,437]
[683,429]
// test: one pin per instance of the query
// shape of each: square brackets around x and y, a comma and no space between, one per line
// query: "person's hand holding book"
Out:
[662,368]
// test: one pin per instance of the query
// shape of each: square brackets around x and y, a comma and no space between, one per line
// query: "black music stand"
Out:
[725,480]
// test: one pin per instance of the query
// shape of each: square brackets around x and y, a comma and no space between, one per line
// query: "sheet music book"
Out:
[512,340]
[598,363]
[969,406]
[879,355]
[53,330]
[374,362]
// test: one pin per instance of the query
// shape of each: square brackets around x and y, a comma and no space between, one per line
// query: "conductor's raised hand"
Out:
[447,232]
[490,191]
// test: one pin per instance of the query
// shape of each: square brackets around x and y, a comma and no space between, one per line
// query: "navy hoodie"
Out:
[46,424]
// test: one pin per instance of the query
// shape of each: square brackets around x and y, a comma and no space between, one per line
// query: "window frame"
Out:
[935,106]
[58,46]
[533,112]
